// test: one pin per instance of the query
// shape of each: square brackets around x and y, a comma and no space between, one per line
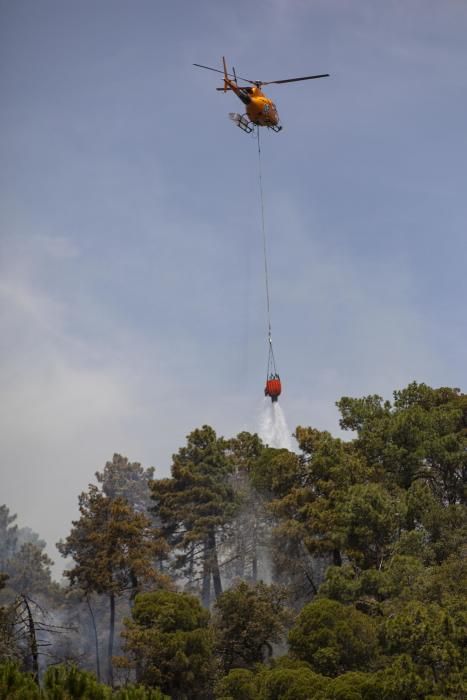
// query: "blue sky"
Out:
[132,290]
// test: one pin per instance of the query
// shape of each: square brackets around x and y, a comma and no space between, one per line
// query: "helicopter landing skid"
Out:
[242,121]
[276,128]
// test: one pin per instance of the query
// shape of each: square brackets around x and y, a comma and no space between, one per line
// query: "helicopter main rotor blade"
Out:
[216,70]
[295,80]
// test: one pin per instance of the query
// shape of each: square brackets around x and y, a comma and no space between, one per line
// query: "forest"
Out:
[333,572]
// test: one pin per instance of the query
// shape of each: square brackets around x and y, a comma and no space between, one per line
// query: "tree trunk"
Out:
[133,593]
[110,670]
[240,559]
[134,587]
[96,640]
[254,568]
[216,577]
[206,591]
[254,563]
[191,565]
[32,642]
[336,557]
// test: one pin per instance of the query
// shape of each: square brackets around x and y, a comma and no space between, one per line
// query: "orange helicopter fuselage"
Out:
[259,108]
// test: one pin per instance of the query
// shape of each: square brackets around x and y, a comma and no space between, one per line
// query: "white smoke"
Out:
[273,428]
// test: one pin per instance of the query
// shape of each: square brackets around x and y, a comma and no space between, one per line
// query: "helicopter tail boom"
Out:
[226,79]
[241,92]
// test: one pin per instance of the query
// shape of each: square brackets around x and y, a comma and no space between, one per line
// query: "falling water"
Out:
[273,428]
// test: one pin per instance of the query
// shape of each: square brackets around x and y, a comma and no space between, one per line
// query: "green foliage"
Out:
[399,680]
[365,588]
[195,504]
[66,683]
[421,436]
[333,638]
[22,559]
[109,543]
[244,451]
[196,496]
[139,693]
[238,684]
[446,585]
[15,685]
[113,548]
[369,519]
[29,571]
[316,515]
[278,475]
[352,685]
[275,472]
[248,530]
[8,536]
[329,462]
[121,478]
[397,489]
[247,620]
[432,639]
[170,611]
[421,619]
[401,579]
[25,535]
[169,645]
[357,413]
[63,682]
[291,683]
[342,584]
[287,679]
[442,527]
[9,650]
[373,529]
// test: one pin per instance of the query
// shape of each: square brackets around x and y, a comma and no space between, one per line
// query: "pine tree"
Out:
[169,644]
[8,536]
[248,534]
[194,506]
[121,478]
[112,546]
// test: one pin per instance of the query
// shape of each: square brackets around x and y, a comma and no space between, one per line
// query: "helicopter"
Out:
[260,110]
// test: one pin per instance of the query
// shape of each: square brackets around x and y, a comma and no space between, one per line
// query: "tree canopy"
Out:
[334,572]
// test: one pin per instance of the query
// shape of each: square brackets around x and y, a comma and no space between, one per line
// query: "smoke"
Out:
[273,428]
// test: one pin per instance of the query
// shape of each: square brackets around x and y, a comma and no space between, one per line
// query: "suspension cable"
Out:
[263,228]
[271,368]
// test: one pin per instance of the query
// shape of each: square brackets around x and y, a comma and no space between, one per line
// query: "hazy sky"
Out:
[132,290]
